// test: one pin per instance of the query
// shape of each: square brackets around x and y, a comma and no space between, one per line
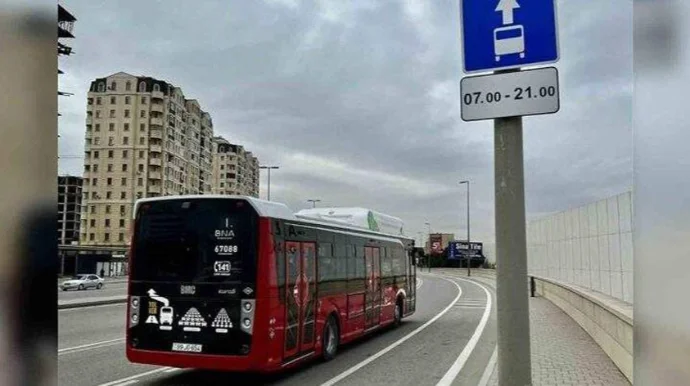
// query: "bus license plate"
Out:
[186,347]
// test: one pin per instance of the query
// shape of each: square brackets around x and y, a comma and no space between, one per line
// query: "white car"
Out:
[81,282]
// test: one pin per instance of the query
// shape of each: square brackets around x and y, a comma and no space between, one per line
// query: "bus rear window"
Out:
[202,240]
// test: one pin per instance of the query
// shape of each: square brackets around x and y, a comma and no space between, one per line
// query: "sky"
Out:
[358,101]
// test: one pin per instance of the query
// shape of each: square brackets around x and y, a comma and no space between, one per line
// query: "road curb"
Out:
[91,303]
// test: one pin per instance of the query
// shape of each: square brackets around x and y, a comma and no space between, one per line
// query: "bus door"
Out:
[372,294]
[300,297]
[411,280]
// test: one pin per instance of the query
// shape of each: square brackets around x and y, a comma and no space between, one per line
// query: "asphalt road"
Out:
[110,289]
[451,335]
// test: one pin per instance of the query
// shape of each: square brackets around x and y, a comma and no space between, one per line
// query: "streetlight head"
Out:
[464,182]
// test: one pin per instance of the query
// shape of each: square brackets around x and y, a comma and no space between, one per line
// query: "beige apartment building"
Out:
[235,170]
[143,139]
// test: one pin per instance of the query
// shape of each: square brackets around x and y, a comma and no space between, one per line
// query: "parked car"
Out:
[81,282]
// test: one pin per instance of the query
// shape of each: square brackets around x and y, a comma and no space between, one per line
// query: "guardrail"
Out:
[607,320]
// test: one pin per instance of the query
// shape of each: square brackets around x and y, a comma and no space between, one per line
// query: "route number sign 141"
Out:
[530,92]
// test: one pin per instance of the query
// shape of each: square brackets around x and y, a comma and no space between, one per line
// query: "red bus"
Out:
[240,284]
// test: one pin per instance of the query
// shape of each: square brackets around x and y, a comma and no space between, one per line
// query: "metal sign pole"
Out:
[511,269]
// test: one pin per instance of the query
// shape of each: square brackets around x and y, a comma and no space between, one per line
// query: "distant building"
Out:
[235,170]
[143,138]
[65,28]
[69,209]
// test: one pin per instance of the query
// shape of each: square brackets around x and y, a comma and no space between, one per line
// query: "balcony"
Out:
[155,161]
[157,107]
[155,175]
[156,149]
[157,133]
[156,122]
[157,95]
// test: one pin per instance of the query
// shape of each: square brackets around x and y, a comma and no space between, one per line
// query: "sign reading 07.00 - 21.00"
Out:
[502,34]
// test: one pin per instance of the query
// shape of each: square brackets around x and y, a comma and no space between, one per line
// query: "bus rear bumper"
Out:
[249,363]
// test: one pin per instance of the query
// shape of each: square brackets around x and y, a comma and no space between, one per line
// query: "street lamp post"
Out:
[313,202]
[269,168]
[428,256]
[469,245]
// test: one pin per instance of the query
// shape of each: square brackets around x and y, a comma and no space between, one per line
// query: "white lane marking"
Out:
[395,344]
[489,369]
[128,382]
[85,308]
[454,370]
[172,370]
[419,282]
[136,376]
[91,345]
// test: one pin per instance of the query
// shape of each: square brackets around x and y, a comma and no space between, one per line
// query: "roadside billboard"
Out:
[436,243]
[458,250]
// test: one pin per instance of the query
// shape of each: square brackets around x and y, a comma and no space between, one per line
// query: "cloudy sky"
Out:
[358,100]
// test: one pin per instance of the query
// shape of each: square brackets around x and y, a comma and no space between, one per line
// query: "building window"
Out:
[142,141]
[107,223]
[108,195]
[124,167]
[222,167]
[143,100]
[101,87]
[111,141]
[113,86]
[113,100]
[126,113]
[92,222]
[128,86]
[110,154]
[127,100]
[111,127]
[95,154]
[126,126]
[122,223]
[125,140]
[97,141]
[124,181]
[110,181]
[99,101]
[107,209]
[222,185]
[110,167]
[143,113]
[142,127]
[121,237]
[112,113]
[95,182]
[123,195]
[140,182]
[122,210]
[93,195]
[92,237]
[141,154]
[156,87]
[142,86]
[106,237]
[124,154]
[98,113]
[93,209]
[141,167]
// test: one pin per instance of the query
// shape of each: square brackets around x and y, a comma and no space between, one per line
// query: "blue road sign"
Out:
[502,34]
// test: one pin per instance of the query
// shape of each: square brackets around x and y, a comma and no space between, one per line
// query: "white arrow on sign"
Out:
[507,7]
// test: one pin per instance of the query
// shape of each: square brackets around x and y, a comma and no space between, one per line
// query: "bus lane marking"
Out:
[459,363]
[397,343]
[134,377]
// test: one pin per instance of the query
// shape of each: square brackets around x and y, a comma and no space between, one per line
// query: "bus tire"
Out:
[397,312]
[331,338]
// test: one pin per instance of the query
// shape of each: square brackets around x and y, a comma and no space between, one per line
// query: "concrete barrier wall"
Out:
[590,246]
[607,320]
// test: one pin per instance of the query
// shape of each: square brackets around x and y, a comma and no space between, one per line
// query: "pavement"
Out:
[562,352]
[452,334]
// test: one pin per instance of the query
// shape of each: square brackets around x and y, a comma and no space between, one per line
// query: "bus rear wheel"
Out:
[397,313]
[331,339]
